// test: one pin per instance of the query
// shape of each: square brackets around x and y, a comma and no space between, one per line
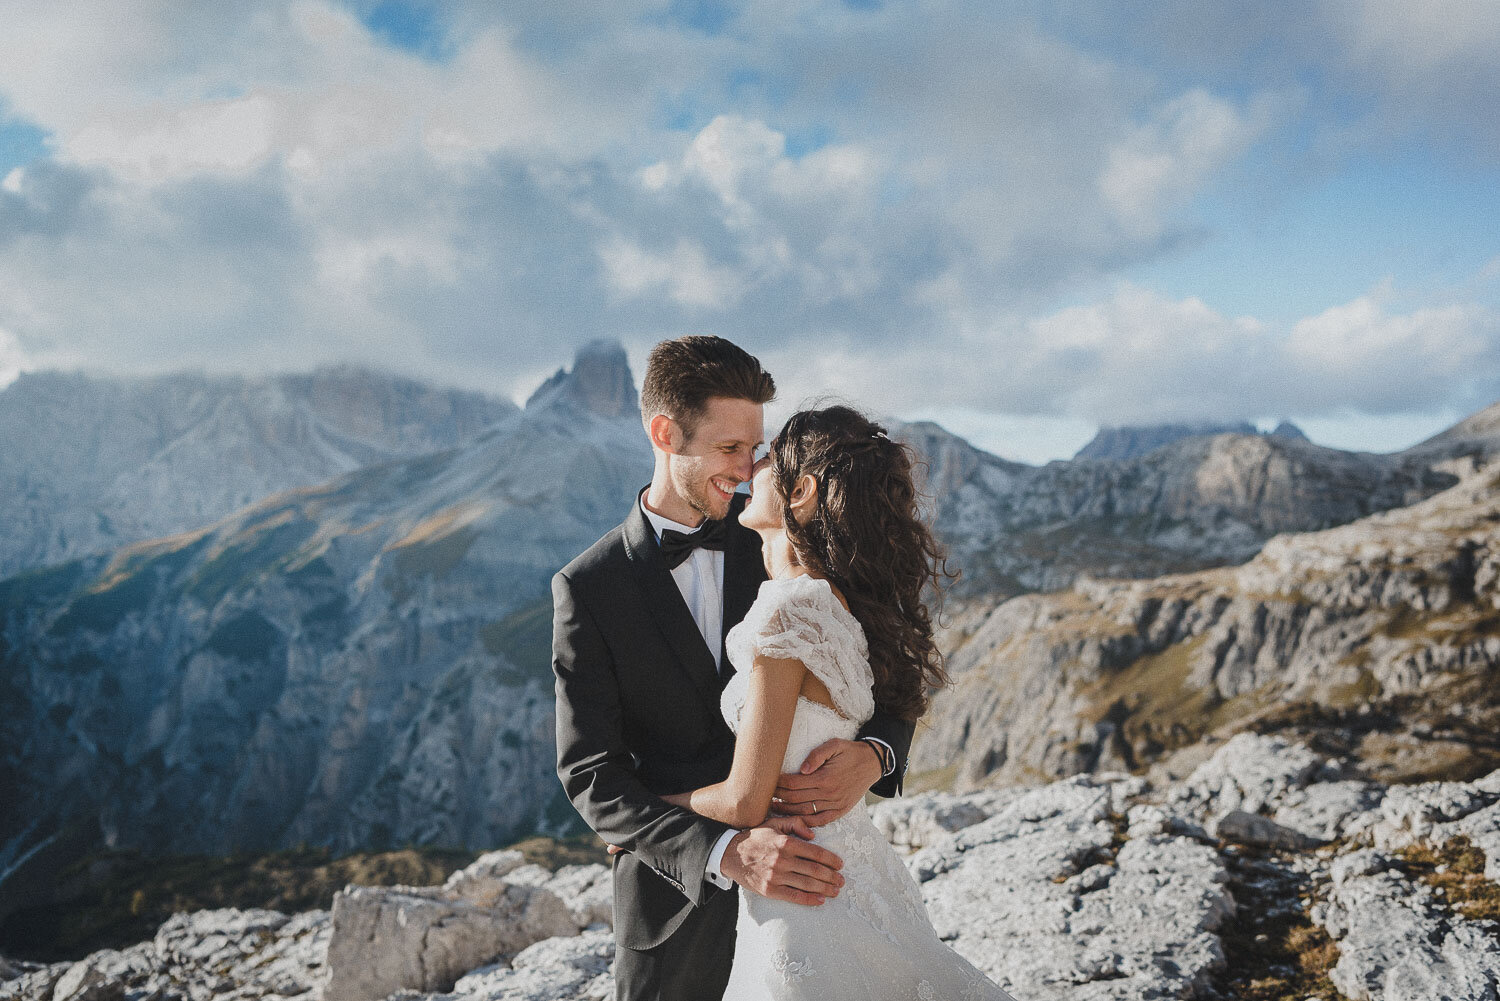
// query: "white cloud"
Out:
[1410,41]
[158,144]
[308,82]
[1140,357]
[1163,163]
[891,203]
[1379,362]
[685,274]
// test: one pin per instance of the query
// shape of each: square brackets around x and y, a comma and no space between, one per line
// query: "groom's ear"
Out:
[665,433]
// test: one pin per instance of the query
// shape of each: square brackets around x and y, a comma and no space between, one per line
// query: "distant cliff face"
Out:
[360,663]
[1378,639]
[1194,503]
[89,464]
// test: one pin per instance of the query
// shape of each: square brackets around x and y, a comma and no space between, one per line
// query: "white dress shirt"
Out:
[700,578]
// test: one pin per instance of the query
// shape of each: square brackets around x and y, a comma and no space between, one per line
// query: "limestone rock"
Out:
[1039,897]
[913,821]
[1262,832]
[482,882]
[1396,943]
[1250,773]
[1413,813]
[587,890]
[425,938]
[1089,888]
[1328,810]
[579,968]
[212,954]
[1146,820]
[84,981]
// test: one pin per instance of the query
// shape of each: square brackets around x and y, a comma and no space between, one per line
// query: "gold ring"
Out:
[815,806]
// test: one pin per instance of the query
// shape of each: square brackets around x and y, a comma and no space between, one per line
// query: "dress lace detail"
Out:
[789,968]
[874,940]
[800,618]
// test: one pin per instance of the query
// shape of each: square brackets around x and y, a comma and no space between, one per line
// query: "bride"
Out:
[839,626]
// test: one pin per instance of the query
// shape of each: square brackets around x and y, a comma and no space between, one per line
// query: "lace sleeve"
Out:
[804,621]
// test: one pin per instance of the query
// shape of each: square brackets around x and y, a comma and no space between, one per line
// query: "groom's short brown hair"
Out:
[682,374]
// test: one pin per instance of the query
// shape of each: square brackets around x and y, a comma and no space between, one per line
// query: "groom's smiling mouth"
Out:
[723,486]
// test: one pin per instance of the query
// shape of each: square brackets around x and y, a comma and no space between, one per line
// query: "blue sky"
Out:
[1022,220]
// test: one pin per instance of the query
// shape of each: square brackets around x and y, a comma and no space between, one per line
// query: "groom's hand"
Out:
[835,776]
[777,861]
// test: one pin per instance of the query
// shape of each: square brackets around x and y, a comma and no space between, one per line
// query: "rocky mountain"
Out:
[1114,444]
[358,663]
[599,382]
[89,463]
[363,662]
[1269,872]
[1379,639]
[1476,433]
[1197,502]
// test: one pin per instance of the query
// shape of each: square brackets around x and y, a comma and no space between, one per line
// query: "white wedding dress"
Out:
[874,940]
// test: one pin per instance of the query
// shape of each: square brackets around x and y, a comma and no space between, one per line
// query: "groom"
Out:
[638,649]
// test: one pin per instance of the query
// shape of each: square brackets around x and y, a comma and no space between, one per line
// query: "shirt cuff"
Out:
[716,858]
[887,759]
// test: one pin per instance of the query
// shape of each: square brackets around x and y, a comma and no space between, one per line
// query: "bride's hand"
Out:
[835,776]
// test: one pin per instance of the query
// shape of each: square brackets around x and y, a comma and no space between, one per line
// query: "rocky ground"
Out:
[1270,872]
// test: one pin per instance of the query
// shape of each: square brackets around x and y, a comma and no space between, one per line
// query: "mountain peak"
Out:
[1481,427]
[1286,429]
[599,383]
[1128,442]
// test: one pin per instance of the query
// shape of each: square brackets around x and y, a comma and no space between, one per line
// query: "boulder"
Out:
[1261,832]
[425,938]
[85,981]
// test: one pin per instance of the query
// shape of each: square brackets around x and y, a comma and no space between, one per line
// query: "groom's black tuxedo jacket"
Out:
[638,715]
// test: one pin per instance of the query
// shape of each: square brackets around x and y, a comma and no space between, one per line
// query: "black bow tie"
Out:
[677,546]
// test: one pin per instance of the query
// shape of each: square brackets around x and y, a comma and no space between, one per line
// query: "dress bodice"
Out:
[801,618]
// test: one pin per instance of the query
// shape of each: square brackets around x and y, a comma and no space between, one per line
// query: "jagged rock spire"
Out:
[599,382]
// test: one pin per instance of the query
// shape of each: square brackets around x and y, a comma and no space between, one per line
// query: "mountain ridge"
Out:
[356,662]
[90,463]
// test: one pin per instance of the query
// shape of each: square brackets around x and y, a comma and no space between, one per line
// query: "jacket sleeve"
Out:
[897,734]
[597,769]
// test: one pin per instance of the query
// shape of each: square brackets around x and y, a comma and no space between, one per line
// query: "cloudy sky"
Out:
[1022,219]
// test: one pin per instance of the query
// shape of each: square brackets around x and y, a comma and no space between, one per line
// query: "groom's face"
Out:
[717,457]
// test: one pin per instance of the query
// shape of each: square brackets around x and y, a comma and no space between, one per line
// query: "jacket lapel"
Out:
[666,604]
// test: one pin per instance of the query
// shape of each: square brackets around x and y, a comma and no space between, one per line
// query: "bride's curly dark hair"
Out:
[867,536]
